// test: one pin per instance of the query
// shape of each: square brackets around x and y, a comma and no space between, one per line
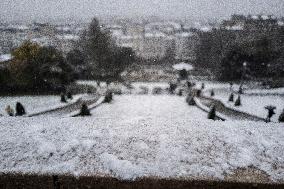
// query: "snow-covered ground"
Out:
[277,91]
[139,107]
[34,104]
[138,136]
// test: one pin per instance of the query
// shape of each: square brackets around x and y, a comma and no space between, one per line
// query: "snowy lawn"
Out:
[137,136]
[34,104]
[130,108]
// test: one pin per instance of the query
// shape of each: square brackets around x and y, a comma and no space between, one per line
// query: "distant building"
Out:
[60,37]
[251,23]
[156,40]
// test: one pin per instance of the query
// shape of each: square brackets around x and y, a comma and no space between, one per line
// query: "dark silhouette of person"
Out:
[270,114]
[20,110]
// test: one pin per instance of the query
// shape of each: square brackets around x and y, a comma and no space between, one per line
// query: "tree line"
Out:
[36,68]
[259,44]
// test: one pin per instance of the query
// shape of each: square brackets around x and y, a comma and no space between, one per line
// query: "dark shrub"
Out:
[108,97]
[172,88]
[144,90]
[212,93]
[190,100]
[281,117]
[183,74]
[157,90]
[188,84]
[202,86]
[116,91]
[238,101]
[212,113]
[240,90]
[180,92]
[20,110]
[69,95]
[84,110]
[62,98]
[198,93]
[231,97]
[89,90]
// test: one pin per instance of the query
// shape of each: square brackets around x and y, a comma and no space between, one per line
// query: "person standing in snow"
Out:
[9,110]
[270,112]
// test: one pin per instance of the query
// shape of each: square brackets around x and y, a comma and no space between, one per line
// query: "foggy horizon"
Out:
[29,10]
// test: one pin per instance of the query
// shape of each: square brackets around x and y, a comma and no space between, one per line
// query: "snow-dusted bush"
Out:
[212,113]
[180,92]
[157,90]
[172,88]
[84,110]
[144,90]
[238,101]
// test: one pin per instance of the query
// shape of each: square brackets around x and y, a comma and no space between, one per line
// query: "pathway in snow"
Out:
[69,108]
[231,113]
[34,104]
[252,104]
[137,107]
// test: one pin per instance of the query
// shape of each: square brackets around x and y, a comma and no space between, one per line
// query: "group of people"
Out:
[20,110]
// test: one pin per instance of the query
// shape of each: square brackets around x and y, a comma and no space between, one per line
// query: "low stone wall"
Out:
[10,181]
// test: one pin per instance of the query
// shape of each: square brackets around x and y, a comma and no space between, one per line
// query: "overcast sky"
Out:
[39,9]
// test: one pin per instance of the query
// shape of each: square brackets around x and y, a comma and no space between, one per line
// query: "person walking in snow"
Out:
[9,110]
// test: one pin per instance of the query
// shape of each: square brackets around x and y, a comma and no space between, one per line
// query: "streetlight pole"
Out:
[242,77]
